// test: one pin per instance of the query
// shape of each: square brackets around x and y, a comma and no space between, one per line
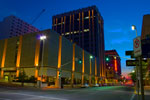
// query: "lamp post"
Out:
[90,78]
[139,71]
[42,38]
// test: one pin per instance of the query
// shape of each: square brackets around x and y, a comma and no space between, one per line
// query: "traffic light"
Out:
[59,74]
[107,59]
[80,61]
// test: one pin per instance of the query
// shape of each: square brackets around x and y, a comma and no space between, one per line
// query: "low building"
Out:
[113,64]
[60,59]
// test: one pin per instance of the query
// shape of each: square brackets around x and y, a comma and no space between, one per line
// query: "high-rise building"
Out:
[146,27]
[13,26]
[85,28]
[145,36]
[113,64]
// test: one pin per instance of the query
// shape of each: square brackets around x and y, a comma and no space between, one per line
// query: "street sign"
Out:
[131,62]
[130,53]
[136,62]
[137,47]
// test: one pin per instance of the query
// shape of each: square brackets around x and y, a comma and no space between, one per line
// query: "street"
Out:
[95,93]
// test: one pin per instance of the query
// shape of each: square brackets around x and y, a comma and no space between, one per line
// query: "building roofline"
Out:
[77,11]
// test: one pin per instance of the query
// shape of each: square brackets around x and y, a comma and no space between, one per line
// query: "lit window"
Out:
[67,33]
[86,17]
[86,30]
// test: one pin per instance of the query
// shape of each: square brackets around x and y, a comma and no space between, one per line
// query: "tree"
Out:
[32,79]
[21,78]
[133,76]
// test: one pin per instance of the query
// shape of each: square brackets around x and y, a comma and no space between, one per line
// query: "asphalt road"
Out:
[95,93]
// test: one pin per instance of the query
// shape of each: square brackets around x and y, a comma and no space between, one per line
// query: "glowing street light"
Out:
[42,38]
[90,77]
[91,57]
[133,27]
[133,71]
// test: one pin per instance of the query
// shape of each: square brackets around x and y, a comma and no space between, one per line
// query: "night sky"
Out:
[118,17]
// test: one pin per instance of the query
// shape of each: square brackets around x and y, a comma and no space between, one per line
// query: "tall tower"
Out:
[85,27]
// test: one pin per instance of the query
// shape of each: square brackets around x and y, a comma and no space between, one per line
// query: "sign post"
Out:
[138,54]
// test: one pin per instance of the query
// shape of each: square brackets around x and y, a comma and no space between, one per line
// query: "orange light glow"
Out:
[19,53]
[39,78]
[59,52]
[37,50]
[82,61]
[115,61]
[2,73]
[73,62]
[17,73]
[36,73]
[4,53]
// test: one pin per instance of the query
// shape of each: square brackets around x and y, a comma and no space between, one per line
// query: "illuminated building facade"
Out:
[113,64]
[13,26]
[60,59]
[85,28]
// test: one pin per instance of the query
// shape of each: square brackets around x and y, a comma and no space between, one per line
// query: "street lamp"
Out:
[133,71]
[91,57]
[133,27]
[42,38]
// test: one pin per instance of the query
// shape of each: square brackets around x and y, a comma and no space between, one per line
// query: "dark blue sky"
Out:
[118,17]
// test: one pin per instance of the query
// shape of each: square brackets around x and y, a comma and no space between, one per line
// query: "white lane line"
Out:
[4,99]
[133,95]
[39,96]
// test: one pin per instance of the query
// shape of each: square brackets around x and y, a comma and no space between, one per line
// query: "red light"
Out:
[115,61]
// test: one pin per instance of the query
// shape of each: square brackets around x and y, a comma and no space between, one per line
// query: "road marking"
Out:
[39,96]
[133,95]
[4,99]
